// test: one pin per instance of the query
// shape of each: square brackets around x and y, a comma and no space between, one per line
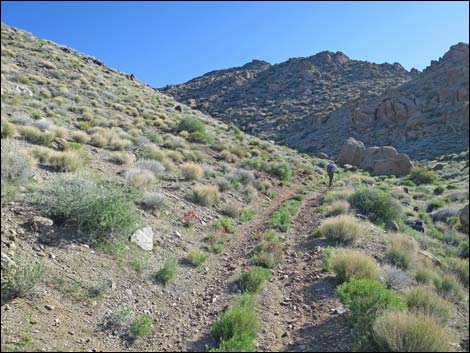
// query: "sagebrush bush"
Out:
[97,208]
[153,200]
[196,257]
[424,300]
[401,250]
[341,229]
[65,161]
[282,170]
[252,279]
[16,166]
[157,168]
[397,331]
[377,202]
[351,263]
[191,171]
[394,278]
[421,175]
[238,325]
[206,195]
[140,178]
[366,299]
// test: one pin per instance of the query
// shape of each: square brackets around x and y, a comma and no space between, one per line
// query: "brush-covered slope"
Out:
[265,99]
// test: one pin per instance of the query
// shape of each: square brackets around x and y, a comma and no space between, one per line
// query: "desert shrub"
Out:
[447,284]
[337,195]
[397,331]
[97,208]
[191,124]
[8,129]
[366,299]
[464,249]
[65,161]
[206,195]
[19,278]
[421,175]
[245,177]
[252,279]
[80,137]
[439,190]
[119,158]
[34,135]
[351,263]
[141,326]
[224,223]
[246,214]
[375,201]
[152,152]
[191,171]
[167,272]
[282,218]
[423,299]
[223,184]
[196,257]
[401,250]
[424,275]
[139,177]
[434,205]
[157,168]
[42,124]
[16,166]
[175,156]
[238,325]
[282,171]
[338,207]
[98,140]
[341,229]
[460,268]
[153,200]
[231,209]
[267,253]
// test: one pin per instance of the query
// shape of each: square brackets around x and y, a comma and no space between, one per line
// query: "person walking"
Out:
[330,169]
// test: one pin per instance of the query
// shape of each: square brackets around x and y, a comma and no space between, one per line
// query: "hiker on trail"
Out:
[330,169]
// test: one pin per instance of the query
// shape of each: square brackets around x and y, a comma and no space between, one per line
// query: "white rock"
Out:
[143,238]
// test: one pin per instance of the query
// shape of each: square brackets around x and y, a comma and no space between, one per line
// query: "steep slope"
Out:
[425,117]
[266,99]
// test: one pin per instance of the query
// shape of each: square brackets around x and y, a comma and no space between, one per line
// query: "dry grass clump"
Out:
[191,171]
[342,229]
[398,331]
[206,195]
[36,136]
[140,177]
[80,137]
[424,300]
[65,161]
[401,250]
[338,207]
[351,263]
[232,209]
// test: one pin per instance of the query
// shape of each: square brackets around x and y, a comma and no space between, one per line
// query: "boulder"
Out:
[143,238]
[463,215]
[383,160]
[322,155]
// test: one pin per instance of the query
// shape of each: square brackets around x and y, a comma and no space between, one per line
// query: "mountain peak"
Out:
[457,53]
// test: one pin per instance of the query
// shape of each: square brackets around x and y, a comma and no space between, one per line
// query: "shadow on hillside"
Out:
[332,335]
[204,343]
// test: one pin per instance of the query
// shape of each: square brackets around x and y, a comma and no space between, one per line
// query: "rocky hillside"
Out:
[424,117]
[266,99]
[314,104]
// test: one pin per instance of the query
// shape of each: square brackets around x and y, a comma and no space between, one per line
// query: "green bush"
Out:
[141,326]
[196,258]
[19,279]
[424,275]
[409,332]
[366,299]
[424,300]
[282,218]
[246,214]
[282,171]
[97,208]
[36,136]
[376,201]
[225,223]
[460,268]
[8,129]
[434,205]
[448,284]
[439,190]
[341,229]
[268,253]
[348,263]
[237,326]
[421,175]
[252,280]
[167,273]
[191,124]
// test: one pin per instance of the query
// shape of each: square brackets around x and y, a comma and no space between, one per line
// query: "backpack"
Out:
[330,168]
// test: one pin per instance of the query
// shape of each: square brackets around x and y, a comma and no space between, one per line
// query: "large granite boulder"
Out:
[383,160]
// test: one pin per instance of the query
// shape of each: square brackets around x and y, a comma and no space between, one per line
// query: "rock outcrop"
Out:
[463,215]
[378,160]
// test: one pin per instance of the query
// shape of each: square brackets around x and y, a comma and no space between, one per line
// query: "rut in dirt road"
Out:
[185,318]
[298,307]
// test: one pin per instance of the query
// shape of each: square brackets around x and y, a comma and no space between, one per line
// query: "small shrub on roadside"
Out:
[196,257]
[375,201]
[341,229]
[191,171]
[252,279]
[141,326]
[351,263]
[397,331]
[19,279]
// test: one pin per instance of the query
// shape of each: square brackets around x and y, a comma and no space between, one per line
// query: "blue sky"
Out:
[172,42]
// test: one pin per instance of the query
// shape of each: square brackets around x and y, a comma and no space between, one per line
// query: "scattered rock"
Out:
[49,307]
[393,226]
[143,238]
[430,256]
